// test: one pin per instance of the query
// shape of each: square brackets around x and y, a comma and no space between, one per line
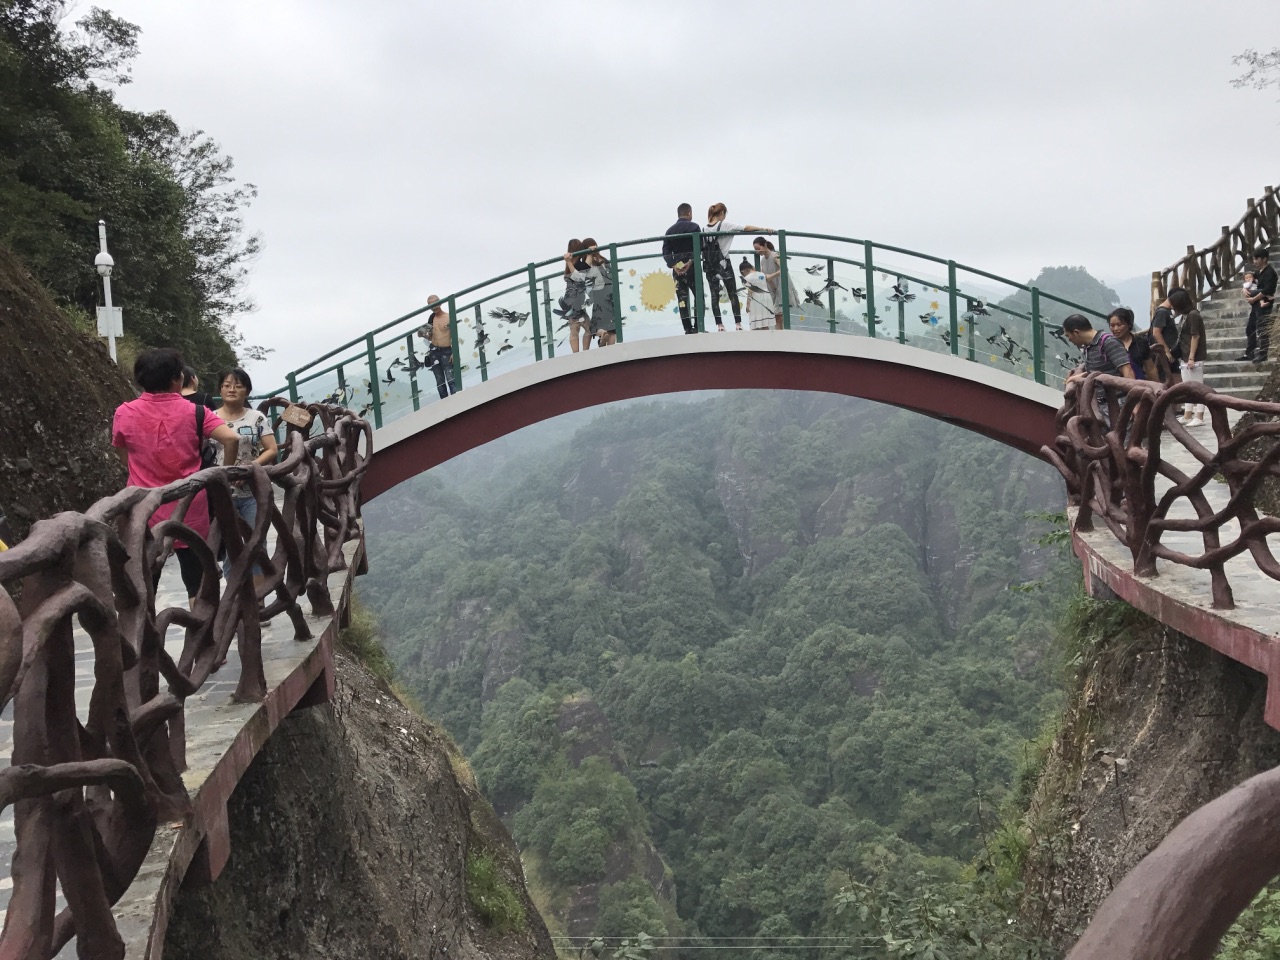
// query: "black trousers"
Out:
[441,361]
[1258,332]
[684,297]
[716,274]
[189,566]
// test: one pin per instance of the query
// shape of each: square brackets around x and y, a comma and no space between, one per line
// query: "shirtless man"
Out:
[439,346]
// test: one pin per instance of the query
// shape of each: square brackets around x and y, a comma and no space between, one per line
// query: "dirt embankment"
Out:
[359,834]
[1158,726]
[58,390]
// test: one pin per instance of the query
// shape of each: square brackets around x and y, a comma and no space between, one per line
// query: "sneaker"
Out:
[1259,360]
[1195,422]
[1243,357]
[1181,419]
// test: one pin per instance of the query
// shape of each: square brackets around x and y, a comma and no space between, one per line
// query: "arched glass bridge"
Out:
[842,286]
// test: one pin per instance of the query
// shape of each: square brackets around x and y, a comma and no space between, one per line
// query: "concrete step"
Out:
[1237,381]
[1218,368]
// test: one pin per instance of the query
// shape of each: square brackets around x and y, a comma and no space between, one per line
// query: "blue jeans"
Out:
[247,508]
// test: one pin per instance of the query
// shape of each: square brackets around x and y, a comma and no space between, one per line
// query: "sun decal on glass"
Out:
[657,289]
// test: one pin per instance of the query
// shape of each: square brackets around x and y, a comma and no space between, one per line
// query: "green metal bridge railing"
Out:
[841,286]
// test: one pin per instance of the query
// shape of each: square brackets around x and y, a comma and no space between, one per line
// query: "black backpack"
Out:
[208,449]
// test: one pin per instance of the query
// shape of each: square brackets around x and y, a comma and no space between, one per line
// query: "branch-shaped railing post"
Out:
[87,797]
[1109,448]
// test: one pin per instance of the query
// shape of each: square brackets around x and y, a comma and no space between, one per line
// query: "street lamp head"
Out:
[103,263]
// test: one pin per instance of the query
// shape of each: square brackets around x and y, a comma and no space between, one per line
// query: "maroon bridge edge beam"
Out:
[1017,421]
[204,846]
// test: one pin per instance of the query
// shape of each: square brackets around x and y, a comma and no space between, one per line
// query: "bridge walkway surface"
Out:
[223,737]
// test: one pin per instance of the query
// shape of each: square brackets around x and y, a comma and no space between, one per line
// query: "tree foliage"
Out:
[818,633]
[70,155]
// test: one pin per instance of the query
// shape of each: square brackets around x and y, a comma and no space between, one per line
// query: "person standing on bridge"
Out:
[760,306]
[598,275]
[158,438]
[1103,353]
[571,305]
[436,331]
[716,266]
[771,267]
[677,251]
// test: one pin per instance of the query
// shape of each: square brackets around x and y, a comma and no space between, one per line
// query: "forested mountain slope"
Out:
[714,660]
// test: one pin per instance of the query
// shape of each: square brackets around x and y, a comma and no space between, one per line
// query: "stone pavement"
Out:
[1181,596]
[215,726]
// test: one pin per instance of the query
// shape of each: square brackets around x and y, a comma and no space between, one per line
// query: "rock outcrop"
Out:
[359,833]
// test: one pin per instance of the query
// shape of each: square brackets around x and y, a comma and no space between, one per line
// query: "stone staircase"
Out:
[1225,315]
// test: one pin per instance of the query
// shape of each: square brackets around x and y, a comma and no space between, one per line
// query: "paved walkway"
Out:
[1181,596]
[215,726]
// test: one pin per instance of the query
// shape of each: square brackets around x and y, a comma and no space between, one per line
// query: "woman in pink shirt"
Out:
[158,438]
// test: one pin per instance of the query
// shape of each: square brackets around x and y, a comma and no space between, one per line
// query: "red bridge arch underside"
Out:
[947,388]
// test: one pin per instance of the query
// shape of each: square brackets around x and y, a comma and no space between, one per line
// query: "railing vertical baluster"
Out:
[902,319]
[533,312]
[413,374]
[457,345]
[484,363]
[342,385]
[784,284]
[1037,337]
[971,332]
[375,392]
[546,311]
[867,248]
[953,308]
[831,292]
[617,297]
[699,308]
[293,387]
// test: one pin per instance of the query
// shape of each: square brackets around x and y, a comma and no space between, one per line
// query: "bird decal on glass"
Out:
[813,296]
[390,378]
[506,345]
[976,308]
[508,316]
[815,270]
[831,285]
[901,293]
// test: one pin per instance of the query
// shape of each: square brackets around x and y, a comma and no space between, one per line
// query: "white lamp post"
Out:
[108,319]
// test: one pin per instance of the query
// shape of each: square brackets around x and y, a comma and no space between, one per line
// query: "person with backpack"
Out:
[1101,353]
[255,444]
[715,260]
[158,438]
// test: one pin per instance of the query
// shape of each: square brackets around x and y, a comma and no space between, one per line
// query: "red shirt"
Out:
[159,432]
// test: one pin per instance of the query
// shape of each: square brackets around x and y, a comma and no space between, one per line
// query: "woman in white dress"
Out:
[771,265]
[760,306]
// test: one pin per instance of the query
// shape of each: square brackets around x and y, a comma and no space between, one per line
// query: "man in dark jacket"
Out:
[677,251]
[1258,329]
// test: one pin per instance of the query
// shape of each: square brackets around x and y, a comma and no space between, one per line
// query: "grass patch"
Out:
[494,899]
[360,640]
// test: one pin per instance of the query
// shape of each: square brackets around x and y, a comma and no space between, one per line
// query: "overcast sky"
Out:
[405,148]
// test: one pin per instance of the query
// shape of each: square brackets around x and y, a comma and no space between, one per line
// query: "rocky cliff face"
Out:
[358,833]
[1158,726]
[57,394]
